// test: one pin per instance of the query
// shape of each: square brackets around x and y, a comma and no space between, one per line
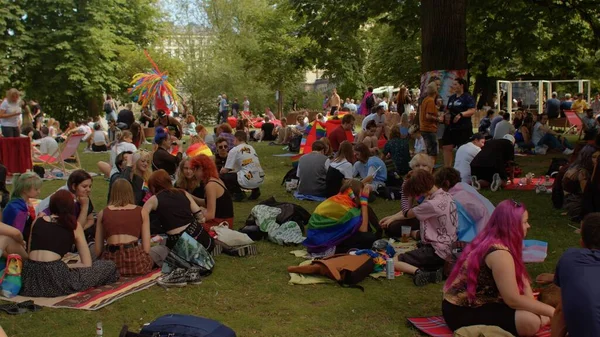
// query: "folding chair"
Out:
[67,150]
[575,121]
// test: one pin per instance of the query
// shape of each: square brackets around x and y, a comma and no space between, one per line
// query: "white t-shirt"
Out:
[48,145]
[464,157]
[537,133]
[379,120]
[344,166]
[99,137]
[244,160]
[116,150]
[10,108]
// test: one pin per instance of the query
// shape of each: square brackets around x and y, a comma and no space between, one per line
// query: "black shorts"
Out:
[456,137]
[484,173]
[495,314]
[99,148]
[423,258]
[431,143]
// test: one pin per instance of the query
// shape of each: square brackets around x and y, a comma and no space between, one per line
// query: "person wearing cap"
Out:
[167,121]
[504,127]
[553,106]
[488,168]
[465,155]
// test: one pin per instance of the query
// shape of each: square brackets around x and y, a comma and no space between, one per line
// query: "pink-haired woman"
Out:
[489,284]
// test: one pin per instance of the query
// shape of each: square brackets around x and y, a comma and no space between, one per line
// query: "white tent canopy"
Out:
[544,90]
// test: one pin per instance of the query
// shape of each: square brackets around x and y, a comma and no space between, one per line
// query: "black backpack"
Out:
[107,107]
[181,326]
[333,182]
[295,142]
[289,176]
[556,164]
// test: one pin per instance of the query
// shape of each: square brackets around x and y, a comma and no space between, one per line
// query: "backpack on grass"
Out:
[181,326]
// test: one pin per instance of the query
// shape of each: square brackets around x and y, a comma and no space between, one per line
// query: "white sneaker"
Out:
[567,152]
[475,183]
[496,182]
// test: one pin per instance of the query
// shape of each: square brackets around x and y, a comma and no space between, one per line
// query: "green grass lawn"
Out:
[252,295]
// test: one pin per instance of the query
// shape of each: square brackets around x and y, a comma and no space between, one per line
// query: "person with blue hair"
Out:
[163,159]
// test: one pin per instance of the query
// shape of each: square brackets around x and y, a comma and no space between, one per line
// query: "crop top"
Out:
[51,236]
[122,221]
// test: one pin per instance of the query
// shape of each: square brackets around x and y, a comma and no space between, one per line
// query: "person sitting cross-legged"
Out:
[489,284]
[438,218]
[242,169]
[312,171]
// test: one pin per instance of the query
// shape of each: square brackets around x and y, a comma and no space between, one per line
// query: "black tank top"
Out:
[173,209]
[51,236]
[224,203]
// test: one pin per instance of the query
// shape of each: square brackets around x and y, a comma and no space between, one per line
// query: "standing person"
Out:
[52,236]
[38,114]
[121,224]
[367,103]
[110,109]
[216,199]
[10,113]
[595,106]
[438,219]
[27,118]
[167,121]
[403,99]
[460,108]
[242,169]
[465,155]
[339,134]
[235,108]
[489,284]
[428,121]
[223,109]
[125,117]
[553,106]
[312,172]
[334,102]
[246,104]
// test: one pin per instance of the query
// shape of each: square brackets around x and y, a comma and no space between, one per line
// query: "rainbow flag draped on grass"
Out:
[332,222]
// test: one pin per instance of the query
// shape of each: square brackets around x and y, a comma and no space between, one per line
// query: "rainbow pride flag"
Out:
[198,149]
[332,222]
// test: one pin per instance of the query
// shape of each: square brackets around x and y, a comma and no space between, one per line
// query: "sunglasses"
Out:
[222,146]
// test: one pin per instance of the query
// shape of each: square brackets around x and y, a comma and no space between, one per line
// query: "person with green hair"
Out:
[19,212]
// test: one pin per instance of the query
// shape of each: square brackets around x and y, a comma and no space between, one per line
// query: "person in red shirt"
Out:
[338,135]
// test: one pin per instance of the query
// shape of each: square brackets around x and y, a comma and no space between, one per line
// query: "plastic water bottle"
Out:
[389,268]
[99,331]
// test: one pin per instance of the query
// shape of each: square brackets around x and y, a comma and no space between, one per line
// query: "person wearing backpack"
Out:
[110,108]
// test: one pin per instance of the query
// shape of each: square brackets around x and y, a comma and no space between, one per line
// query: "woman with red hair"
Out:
[217,199]
[489,284]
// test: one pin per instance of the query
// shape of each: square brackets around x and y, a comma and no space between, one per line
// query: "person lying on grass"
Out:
[438,219]
[489,284]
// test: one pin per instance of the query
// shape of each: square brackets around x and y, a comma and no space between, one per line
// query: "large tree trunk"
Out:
[444,35]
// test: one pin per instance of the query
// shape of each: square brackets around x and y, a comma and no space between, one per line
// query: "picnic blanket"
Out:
[534,251]
[515,185]
[95,298]
[436,327]
[306,197]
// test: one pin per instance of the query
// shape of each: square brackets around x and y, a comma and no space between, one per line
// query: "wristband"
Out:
[364,199]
